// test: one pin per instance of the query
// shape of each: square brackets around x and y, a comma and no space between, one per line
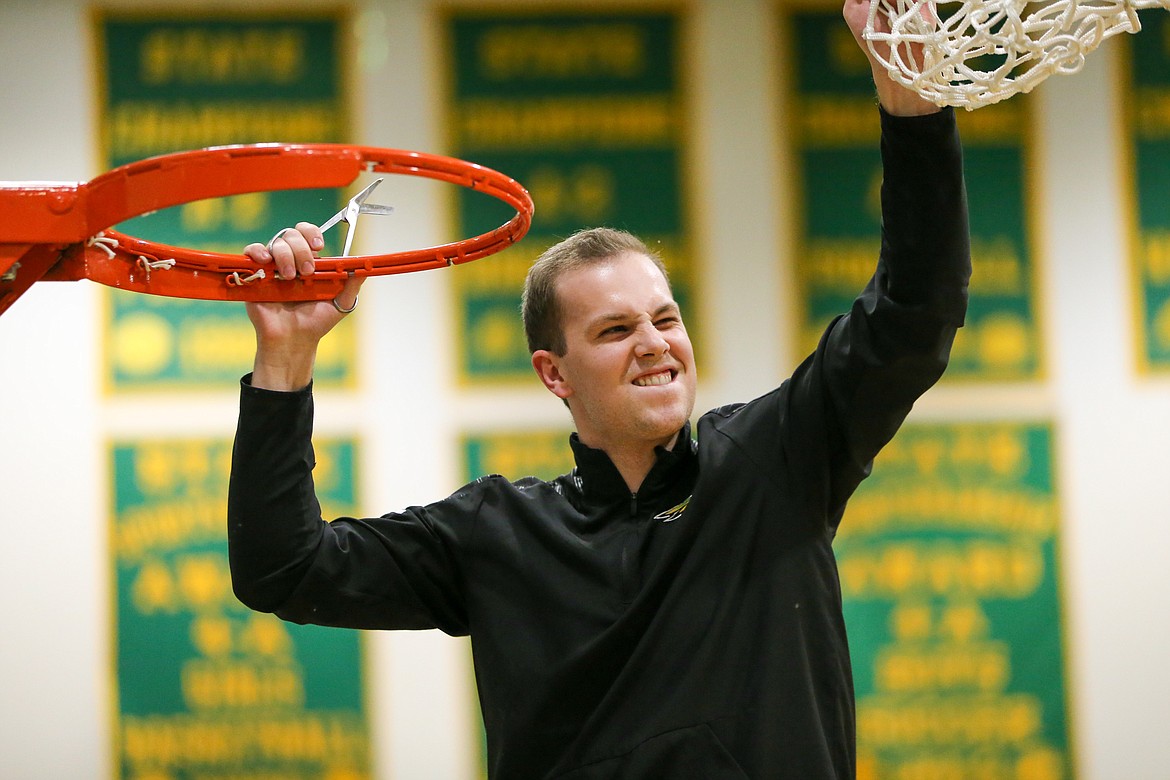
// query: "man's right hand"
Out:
[287,333]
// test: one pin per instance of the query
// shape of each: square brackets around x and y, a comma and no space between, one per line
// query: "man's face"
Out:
[628,371]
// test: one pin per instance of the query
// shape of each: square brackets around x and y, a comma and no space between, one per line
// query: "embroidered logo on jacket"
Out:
[674,513]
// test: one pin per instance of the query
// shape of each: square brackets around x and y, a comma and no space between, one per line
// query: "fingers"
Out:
[257,253]
[293,251]
[857,17]
[346,300]
[856,13]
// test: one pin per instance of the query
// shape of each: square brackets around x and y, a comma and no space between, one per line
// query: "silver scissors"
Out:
[349,215]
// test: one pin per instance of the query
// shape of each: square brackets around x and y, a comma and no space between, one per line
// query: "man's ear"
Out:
[548,368]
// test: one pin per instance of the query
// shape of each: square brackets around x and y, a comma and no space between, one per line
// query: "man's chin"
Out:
[669,425]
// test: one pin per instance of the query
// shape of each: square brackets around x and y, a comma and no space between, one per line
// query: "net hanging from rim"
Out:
[984,51]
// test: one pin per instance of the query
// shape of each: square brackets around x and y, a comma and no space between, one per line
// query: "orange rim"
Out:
[120,260]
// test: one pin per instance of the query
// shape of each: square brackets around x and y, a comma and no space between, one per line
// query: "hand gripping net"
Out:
[988,50]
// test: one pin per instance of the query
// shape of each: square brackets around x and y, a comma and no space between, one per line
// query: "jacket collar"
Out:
[600,482]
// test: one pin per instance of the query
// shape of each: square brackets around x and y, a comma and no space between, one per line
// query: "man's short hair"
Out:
[539,306]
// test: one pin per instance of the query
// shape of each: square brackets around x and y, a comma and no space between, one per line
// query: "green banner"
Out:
[172,82]
[1146,98]
[207,689]
[949,558]
[834,133]
[585,107]
[514,454]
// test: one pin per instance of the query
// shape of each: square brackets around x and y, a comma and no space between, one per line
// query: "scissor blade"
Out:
[333,220]
[353,208]
[361,196]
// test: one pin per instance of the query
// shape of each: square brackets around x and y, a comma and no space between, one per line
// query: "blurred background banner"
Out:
[950,562]
[837,213]
[205,687]
[515,454]
[1146,109]
[180,80]
[586,108]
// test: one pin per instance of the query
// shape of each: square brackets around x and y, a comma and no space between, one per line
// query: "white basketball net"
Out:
[1027,42]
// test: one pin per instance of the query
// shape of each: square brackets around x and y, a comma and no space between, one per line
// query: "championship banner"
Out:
[834,132]
[175,81]
[207,689]
[544,454]
[584,107]
[949,557]
[1146,101]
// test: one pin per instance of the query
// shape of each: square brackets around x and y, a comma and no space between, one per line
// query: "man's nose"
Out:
[651,342]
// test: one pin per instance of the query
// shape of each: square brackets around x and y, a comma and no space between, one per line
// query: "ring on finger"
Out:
[352,306]
[279,234]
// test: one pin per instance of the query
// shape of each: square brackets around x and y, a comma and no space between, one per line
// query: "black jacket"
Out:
[691,630]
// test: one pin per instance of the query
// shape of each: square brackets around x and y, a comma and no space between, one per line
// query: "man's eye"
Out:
[666,322]
[616,329]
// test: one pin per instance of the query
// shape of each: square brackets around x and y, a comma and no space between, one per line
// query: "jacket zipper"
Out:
[627,560]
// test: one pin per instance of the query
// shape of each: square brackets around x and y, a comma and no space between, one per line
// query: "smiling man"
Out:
[607,336]
[670,608]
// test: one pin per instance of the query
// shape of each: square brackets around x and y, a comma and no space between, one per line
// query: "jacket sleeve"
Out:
[396,571]
[894,344]
[847,399]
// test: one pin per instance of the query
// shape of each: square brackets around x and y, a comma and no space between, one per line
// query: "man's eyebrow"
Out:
[604,319]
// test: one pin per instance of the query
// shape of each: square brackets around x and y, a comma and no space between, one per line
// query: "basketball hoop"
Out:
[62,232]
[985,51]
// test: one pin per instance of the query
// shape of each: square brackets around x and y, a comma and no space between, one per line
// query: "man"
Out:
[670,608]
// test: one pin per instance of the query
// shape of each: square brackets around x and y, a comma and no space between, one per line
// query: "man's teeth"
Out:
[653,379]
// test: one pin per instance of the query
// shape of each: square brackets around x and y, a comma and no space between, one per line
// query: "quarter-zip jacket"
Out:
[691,630]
